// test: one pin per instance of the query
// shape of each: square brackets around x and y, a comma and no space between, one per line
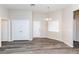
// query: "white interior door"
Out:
[36,28]
[4,30]
[20,30]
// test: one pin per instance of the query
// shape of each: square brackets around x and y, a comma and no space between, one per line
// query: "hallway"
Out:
[37,46]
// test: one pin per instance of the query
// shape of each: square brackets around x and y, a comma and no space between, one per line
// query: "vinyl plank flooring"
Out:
[37,46]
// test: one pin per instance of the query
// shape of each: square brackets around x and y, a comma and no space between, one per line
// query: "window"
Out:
[53,26]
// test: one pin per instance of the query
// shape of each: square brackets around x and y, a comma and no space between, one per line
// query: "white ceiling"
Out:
[36,8]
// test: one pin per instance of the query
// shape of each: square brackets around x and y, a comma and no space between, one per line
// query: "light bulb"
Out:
[48,19]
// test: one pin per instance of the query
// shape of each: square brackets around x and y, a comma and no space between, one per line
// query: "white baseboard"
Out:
[69,44]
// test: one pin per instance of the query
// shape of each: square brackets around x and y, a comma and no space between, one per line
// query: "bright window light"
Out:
[53,26]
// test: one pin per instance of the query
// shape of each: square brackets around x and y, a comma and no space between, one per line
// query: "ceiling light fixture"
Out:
[48,18]
[32,4]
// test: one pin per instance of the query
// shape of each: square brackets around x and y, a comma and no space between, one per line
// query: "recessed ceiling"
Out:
[36,7]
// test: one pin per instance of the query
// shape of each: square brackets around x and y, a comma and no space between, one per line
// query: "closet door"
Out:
[20,30]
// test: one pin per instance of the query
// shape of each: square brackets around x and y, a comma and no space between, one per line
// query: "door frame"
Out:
[2,29]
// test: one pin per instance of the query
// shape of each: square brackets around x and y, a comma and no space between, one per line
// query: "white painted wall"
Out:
[65,17]
[3,15]
[3,12]
[43,26]
[22,15]
[67,26]
[56,15]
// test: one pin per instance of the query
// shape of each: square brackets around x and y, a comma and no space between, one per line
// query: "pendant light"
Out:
[48,16]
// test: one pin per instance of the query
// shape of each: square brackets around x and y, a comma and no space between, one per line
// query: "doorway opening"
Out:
[76,29]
